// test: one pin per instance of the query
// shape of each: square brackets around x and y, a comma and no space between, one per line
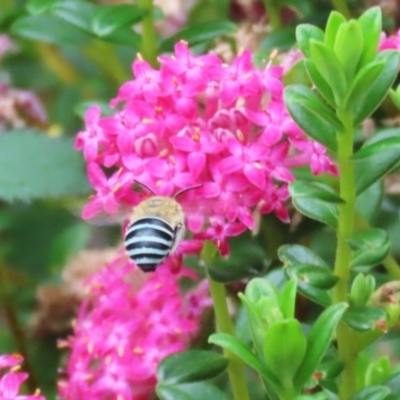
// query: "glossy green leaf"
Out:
[361,290]
[260,287]
[313,275]
[314,208]
[312,115]
[348,47]
[335,20]
[34,166]
[108,19]
[36,7]
[370,23]
[200,34]
[365,77]
[329,67]
[124,36]
[291,254]
[376,92]
[318,341]
[236,347]
[190,391]
[394,385]
[315,294]
[285,359]
[378,147]
[378,371]
[364,318]
[48,29]
[369,247]
[395,96]
[287,299]
[76,12]
[371,393]
[315,190]
[316,396]
[191,366]
[306,32]
[369,202]
[320,83]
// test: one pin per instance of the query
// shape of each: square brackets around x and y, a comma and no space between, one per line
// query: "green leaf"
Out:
[313,275]
[108,19]
[291,254]
[361,290]
[287,299]
[34,166]
[370,23]
[312,115]
[191,366]
[378,371]
[368,204]
[320,83]
[364,318]
[314,207]
[199,34]
[285,359]
[48,29]
[282,40]
[329,67]
[236,347]
[315,190]
[318,341]
[371,393]
[348,47]
[378,147]
[258,288]
[36,7]
[376,91]
[365,77]
[190,391]
[335,20]
[76,12]
[306,32]
[315,294]
[394,385]
[369,248]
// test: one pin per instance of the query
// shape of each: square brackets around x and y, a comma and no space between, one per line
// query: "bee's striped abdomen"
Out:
[148,241]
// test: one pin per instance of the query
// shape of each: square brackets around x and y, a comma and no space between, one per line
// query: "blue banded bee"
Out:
[155,229]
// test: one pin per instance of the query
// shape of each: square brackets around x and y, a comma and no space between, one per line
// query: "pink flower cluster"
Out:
[197,121]
[390,42]
[11,381]
[121,335]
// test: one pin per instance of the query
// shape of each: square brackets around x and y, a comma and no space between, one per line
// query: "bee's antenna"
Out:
[186,189]
[147,187]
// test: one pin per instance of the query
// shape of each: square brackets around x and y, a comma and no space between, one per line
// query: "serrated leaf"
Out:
[366,76]
[36,7]
[297,254]
[48,29]
[371,393]
[76,12]
[335,20]
[348,47]
[306,32]
[370,23]
[236,347]
[364,318]
[314,208]
[305,108]
[318,341]
[191,366]
[108,19]
[329,67]
[190,391]
[34,166]
[199,34]
[369,247]
[320,83]
[376,91]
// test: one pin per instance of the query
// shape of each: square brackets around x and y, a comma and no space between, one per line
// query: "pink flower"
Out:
[122,334]
[197,121]
[11,381]
[390,42]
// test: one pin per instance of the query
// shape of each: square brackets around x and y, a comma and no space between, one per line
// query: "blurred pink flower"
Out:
[11,381]
[390,42]
[197,121]
[121,335]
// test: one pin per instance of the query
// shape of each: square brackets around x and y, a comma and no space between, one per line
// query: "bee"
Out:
[155,228]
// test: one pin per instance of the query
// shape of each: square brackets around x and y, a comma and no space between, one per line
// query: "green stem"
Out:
[274,14]
[218,293]
[148,47]
[342,7]
[345,229]
[236,367]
